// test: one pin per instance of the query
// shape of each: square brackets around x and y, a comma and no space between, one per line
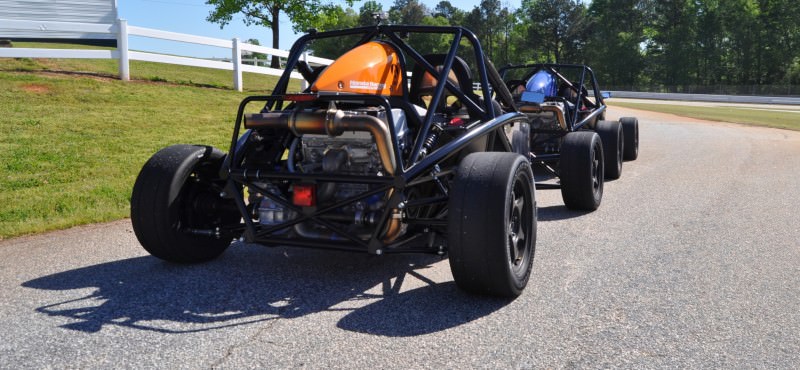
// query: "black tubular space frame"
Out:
[556,70]
[412,169]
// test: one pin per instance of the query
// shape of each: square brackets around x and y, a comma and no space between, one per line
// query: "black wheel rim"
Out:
[519,225]
[199,205]
[597,169]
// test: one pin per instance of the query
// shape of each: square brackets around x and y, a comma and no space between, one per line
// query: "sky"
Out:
[189,16]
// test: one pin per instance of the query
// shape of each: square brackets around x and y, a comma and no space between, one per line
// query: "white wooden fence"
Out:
[122,31]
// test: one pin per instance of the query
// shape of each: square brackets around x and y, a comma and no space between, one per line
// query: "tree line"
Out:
[711,46]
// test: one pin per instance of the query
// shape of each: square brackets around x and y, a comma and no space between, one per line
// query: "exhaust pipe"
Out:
[331,122]
[557,112]
[334,122]
[394,227]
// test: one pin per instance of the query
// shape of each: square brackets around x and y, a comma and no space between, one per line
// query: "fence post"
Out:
[122,48]
[237,65]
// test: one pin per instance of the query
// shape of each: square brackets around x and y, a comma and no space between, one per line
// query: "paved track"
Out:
[691,261]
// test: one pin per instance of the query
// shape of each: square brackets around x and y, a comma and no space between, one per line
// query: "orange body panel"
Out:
[371,68]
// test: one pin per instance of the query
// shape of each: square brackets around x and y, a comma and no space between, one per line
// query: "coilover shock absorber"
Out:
[432,139]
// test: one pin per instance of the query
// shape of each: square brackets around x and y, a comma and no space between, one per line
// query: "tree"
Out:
[407,12]
[490,17]
[338,18]
[493,25]
[507,21]
[446,10]
[366,13]
[710,44]
[303,14]
[556,28]
[431,43]
[519,50]
[614,45]
[673,49]
[674,43]
[334,19]
[779,38]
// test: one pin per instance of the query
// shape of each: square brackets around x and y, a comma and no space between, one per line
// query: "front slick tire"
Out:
[178,190]
[492,224]
[581,170]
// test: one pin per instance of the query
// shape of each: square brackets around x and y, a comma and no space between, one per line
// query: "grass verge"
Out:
[72,140]
[784,119]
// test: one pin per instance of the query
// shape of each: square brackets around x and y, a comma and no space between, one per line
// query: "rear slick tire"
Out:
[613,140]
[492,224]
[630,128]
[176,191]
[581,170]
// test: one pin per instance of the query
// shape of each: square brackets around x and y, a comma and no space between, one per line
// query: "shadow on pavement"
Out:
[420,311]
[250,284]
[557,213]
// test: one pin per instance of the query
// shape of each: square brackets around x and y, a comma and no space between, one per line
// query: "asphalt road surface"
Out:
[692,260]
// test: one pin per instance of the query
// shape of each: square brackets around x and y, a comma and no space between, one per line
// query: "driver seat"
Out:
[423,83]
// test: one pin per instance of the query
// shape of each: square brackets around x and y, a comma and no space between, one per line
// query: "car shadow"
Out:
[558,213]
[250,284]
[423,310]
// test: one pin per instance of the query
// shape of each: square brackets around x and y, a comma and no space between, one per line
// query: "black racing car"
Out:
[569,137]
[389,150]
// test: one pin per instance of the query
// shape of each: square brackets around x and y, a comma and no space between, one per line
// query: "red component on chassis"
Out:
[304,195]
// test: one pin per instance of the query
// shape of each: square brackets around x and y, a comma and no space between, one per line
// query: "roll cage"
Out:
[580,101]
[427,210]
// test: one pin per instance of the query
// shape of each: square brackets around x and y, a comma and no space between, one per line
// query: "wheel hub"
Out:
[596,171]
[516,227]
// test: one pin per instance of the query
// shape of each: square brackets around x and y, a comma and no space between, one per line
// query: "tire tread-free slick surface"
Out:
[160,203]
[581,170]
[491,202]
[630,129]
[612,136]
